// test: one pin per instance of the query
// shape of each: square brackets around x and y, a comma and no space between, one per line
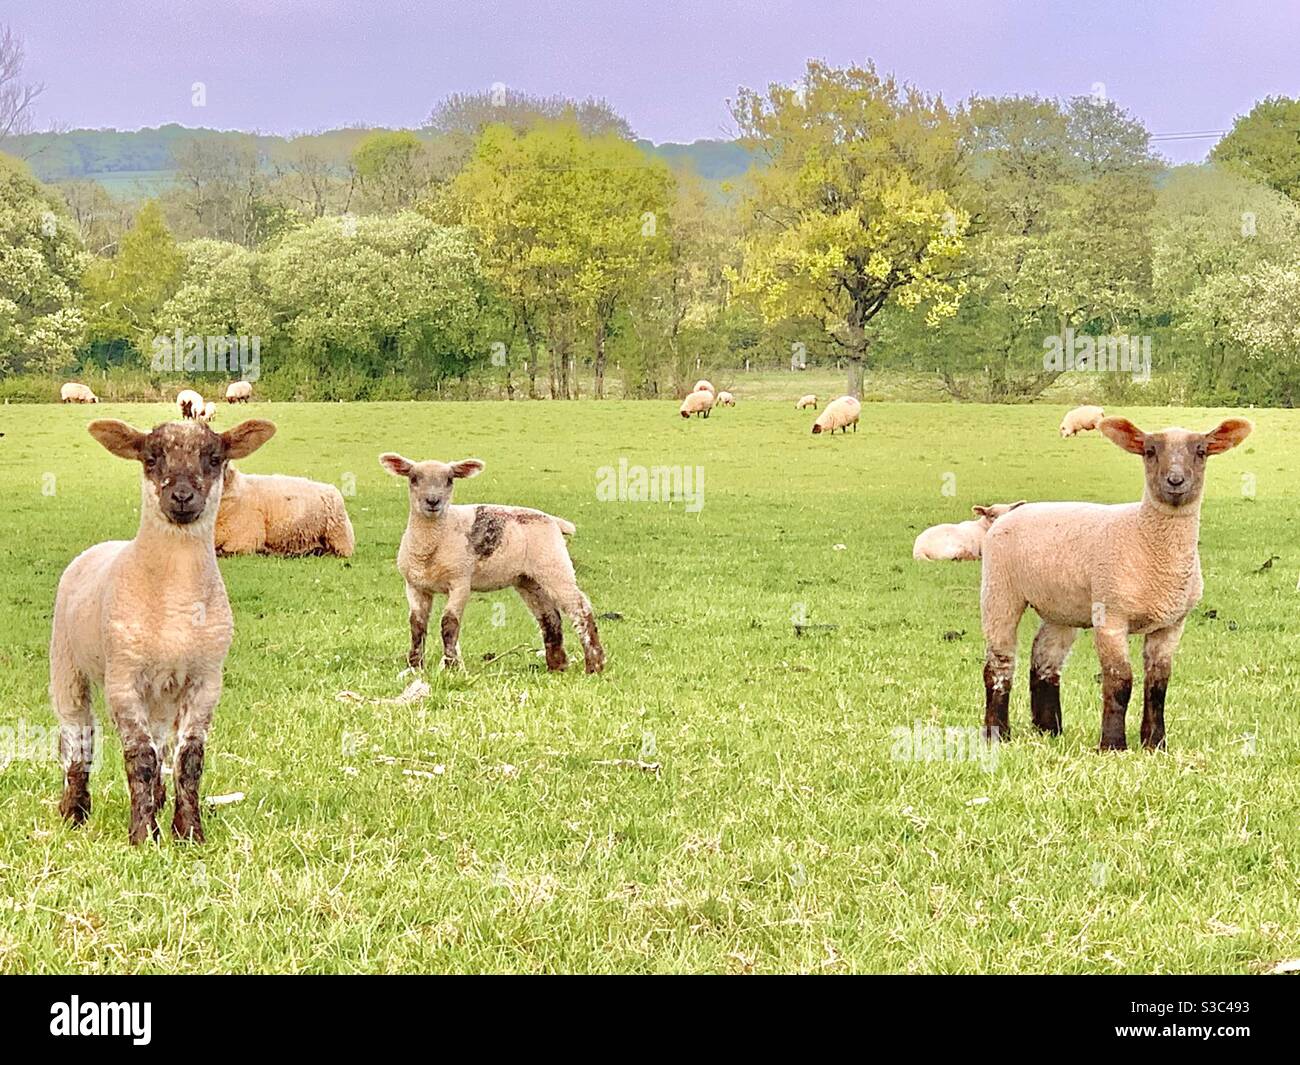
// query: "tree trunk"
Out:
[531,339]
[599,390]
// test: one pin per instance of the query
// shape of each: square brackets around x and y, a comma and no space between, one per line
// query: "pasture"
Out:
[728,796]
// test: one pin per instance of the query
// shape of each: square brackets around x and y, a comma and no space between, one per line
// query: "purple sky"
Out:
[668,65]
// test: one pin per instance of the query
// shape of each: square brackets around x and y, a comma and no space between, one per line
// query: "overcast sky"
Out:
[668,65]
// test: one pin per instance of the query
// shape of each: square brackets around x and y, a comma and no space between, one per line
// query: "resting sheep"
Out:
[148,620]
[1081,418]
[806,401]
[726,399]
[239,392]
[839,414]
[189,403]
[72,392]
[278,515]
[455,550]
[697,403]
[959,541]
[1127,569]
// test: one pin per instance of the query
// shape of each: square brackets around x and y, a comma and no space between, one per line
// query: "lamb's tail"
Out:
[566,527]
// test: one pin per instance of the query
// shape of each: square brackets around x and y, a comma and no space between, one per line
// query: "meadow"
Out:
[733,794]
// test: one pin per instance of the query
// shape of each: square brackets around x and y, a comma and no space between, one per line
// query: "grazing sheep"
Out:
[1081,418]
[239,392]
[454,550]
[72,392]
[806,401]
[209,413]
[703,386]
[697,403]
[148,620]
[726,399]
[1127,569]
[959,541]
[839,414]
[277,515]
[190,404]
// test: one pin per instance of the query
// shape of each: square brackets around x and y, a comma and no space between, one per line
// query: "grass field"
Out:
[784,829]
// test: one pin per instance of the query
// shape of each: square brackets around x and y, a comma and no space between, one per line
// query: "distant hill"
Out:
[135,162]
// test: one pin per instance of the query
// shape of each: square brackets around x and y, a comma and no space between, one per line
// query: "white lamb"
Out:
[1081,419]
[148,620]
[839,414]
[209,413]
[278,515]
[703,386]
[806,401]
[726,399]
[72,392]
[190,404]
[959,541]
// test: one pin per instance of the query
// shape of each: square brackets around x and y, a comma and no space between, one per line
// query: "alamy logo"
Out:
[651,484]
[132,1019]
[182,353]
[1098,354]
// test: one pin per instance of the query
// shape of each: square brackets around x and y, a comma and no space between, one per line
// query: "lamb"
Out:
[959,541]
[1127,569]
[726,399]
[703,386]
[72,392]
[839,414]
[455,550]
[209,412]
[1080,419]
[239,392]
[148,620]
[697,403]
[189,403]
[806,401]
[279,515]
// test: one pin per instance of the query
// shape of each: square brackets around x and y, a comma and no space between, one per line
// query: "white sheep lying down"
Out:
[959,541]
[277,515]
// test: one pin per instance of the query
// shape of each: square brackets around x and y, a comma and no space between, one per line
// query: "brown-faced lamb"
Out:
[239,392]
[1081,419]
[959,541]
[73,392]
[1126,569]
[453,550]
[697,403]
[190,404]
[839,414]
[148,621]
[278,515]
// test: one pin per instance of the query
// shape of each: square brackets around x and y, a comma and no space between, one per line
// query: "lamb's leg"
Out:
[70,692]
[578,608]
[1000,619]
[1157,665]
[1051,648]
[548,620]
[141,757]
[457,597]
[197,705]
[421,602]
[1116,684]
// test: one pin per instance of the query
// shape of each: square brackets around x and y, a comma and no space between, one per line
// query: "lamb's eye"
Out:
[1201,452]
[1150,452]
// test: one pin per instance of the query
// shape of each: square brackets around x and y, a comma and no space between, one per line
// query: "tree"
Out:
[17,96]
[394,168]
[1264,145]
[224,192]
[41,259]
[852,211]
[469,114]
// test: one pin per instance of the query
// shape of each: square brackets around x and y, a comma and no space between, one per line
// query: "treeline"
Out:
[525,246]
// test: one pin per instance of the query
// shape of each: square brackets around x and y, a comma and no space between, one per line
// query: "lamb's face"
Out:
[183,464]
[430,482]
[1174,459]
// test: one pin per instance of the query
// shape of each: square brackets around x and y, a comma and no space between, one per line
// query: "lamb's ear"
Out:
[246,437]
[466,468]
[983,512]
[1228,435]
[124,441]
[395,464]
[1124,433]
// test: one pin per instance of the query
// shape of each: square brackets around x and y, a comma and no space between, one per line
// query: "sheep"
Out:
[959,541]
[458,549]
[209,412]
[278,515]
[239,392]
[189,403]
[1126,569]
[72,392]
[726,399]
[148,621]
[703,386]
[839,414]
[697,403]
[1081,418]
[806,401]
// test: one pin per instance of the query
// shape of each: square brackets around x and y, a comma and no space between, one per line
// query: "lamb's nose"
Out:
[182,496]
[1174,480]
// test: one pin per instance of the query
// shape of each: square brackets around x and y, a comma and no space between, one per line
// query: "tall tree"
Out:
[17,95]
[1264,145]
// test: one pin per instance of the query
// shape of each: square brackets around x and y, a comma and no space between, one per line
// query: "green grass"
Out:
[780,833]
